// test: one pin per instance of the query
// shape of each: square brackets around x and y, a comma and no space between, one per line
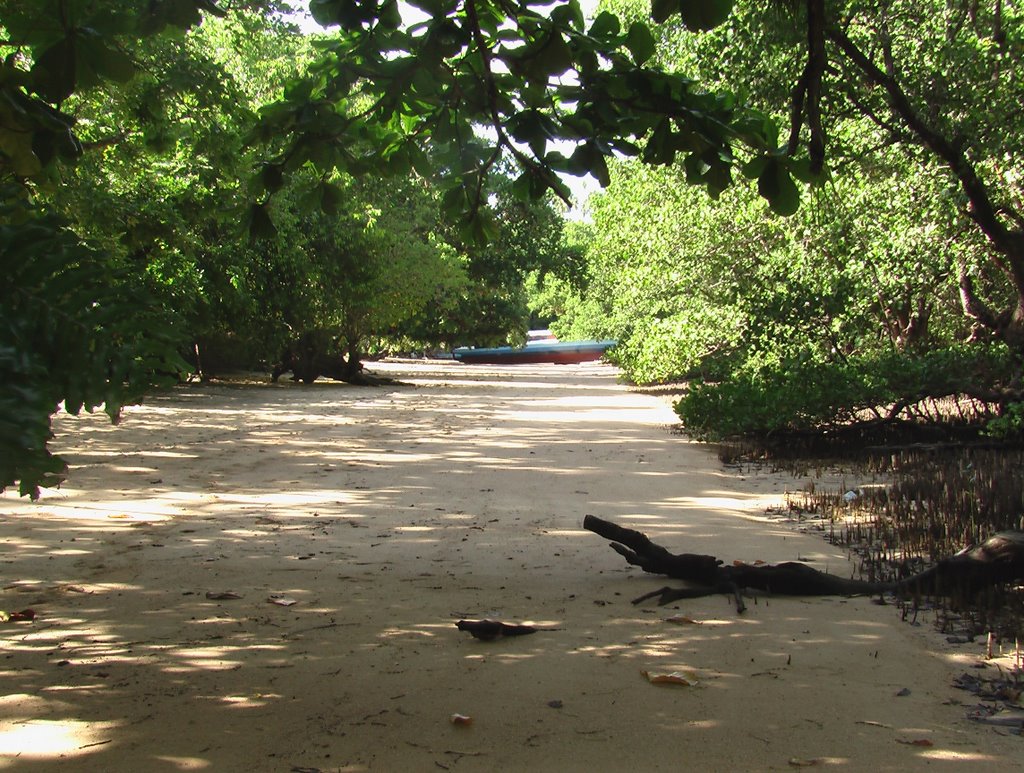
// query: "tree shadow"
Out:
[163,575]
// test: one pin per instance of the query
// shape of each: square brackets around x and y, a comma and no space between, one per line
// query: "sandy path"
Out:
[388,513]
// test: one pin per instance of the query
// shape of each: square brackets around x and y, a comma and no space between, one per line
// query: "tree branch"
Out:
[1007,243]
[504,141]
[1010,244]
[813,73]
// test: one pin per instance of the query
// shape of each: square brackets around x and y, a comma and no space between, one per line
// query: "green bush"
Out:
[1009,426]
[805,395]
[74,332]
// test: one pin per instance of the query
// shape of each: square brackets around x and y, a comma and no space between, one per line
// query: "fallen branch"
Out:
[997,561]
[710,575]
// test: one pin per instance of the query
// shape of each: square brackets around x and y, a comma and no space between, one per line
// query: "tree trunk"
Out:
[1006,242]
[996,561]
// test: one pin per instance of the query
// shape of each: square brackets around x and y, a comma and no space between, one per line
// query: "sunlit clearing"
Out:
[510,657]
[861,637]
[605,651]
[38,738]
[43,636]
[70,552]
[830,761]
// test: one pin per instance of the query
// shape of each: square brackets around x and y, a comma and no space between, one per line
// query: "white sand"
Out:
[387,514]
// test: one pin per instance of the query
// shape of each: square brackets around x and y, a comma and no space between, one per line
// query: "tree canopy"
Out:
[142,240]
[891,284]
[191,182]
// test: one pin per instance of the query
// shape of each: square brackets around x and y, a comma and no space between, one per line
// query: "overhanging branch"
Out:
[1009,244]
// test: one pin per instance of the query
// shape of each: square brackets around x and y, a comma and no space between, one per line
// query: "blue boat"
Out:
[536,351]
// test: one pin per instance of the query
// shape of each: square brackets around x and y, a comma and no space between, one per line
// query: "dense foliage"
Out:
[141,240]
[191,185]
[900,277]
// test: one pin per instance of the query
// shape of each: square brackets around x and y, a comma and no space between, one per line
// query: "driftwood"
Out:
[999,560]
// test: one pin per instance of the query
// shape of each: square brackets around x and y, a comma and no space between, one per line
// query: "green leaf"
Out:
[422,163]
[553,59]
[272,177]
[569,14]
[703,15]
[433,7]
[579,162]
[800,168]
[599,168]
[661,10]
[605,25]
[113,64]
[389,15]
[640,42]
[483,229]
[178,13]
[397,162]
[778,188]
[587,159]
[660,148]
[330,198]
[755,167]
[533,128]
[259,224]
[53,73]
[351,14]
[454,200]
[110,22]
[556,184]
[696,167]
[22,152]
[325,12]
[211,7]
[522,186]
[717,179]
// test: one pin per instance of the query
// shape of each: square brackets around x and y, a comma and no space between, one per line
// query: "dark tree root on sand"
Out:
[997,561]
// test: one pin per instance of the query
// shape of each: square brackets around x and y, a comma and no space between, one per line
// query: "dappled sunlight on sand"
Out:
[40,739]
[184,763]
[268,577]
[949,755]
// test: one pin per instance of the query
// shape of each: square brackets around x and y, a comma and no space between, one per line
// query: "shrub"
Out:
[806,395]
